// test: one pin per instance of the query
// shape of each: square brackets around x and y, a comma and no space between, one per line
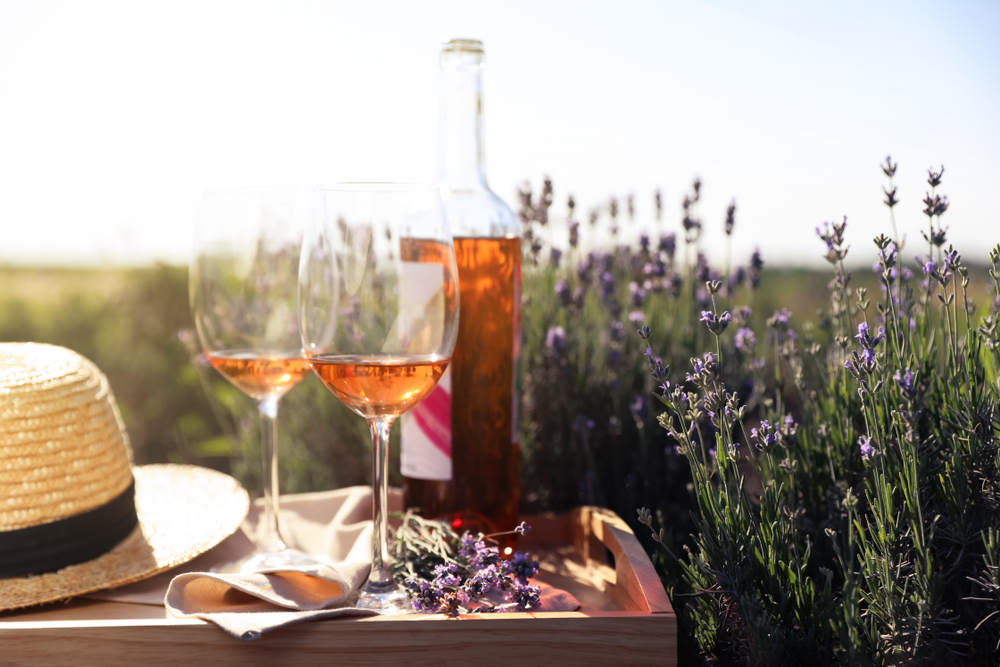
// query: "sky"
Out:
[116,116]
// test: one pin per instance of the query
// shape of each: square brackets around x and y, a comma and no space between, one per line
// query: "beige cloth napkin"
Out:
[248,605]
[336,524]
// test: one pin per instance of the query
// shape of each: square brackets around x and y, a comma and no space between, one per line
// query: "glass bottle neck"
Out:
[460,133]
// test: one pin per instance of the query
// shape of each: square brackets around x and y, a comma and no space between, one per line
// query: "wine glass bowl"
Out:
[378,312]
[243,286]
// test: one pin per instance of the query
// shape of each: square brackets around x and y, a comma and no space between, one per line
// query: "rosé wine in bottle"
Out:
[460,447]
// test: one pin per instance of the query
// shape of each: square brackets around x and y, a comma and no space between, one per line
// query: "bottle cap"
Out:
[462,46]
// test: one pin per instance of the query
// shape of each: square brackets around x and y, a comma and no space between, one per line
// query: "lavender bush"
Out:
[588,434]
[848,495]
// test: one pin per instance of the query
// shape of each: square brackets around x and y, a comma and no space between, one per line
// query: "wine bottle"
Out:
[460,447]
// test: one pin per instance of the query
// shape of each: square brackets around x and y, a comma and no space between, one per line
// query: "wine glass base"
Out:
[390,603]
[269,561]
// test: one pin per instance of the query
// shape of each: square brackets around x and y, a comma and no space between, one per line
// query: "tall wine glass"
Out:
[378,310]
[243,288]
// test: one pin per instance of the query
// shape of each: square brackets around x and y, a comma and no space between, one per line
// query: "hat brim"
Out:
[183,512]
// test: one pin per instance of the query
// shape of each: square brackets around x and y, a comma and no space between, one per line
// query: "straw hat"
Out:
[70,522]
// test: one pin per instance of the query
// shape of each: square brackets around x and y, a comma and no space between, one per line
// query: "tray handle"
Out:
[637,586]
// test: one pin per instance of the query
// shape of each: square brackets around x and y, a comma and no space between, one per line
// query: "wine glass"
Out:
[243,285]
[378,311]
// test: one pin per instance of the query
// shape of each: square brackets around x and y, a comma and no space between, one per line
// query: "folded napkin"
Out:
[248,605]
[336,524]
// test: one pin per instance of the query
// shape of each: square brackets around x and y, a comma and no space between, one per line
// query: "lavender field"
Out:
[813,457]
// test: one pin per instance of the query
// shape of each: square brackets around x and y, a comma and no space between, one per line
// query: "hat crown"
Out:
[63,447]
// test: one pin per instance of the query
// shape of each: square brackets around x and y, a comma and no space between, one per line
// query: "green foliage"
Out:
[135,324]
[849,516]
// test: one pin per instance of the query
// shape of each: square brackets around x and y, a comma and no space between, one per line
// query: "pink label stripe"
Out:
[433,417]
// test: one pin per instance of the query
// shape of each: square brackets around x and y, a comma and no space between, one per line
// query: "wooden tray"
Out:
[626,620]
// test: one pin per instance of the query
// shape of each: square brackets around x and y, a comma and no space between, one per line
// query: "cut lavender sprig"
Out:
[455,576]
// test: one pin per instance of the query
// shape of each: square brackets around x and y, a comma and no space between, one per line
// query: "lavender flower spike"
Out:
[745,340]
[716,323]
[868,453]
[906,381]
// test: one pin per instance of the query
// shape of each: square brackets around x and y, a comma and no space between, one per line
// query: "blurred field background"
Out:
[135,324]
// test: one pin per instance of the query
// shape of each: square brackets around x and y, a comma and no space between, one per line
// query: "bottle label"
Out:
[425,451]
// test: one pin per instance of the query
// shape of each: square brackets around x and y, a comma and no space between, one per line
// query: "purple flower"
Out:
[554,256]
[952,260]
[868,452]
[788,429]
[888,255]
[745,340]
[736,278]
[636,317]
[644,241]
[906,383]
[703,270]
[562,292]
[522,567]
[468,545]
[637,294]
[525,597]
[938,236]
[779,319]
[424,595]
[866,338]
[779,323]
[705,369]
[555,339]
[485,556]
[617,331]
[668,245]
[660,373]
[730,218]
[716,323]
[638,408]
[607,285]
[753,272]
[574,233]
[742,314]
[445,574]
[862,365]
[764,437]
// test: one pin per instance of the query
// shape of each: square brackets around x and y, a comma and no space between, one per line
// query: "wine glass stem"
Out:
[380,574]
[268,536]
